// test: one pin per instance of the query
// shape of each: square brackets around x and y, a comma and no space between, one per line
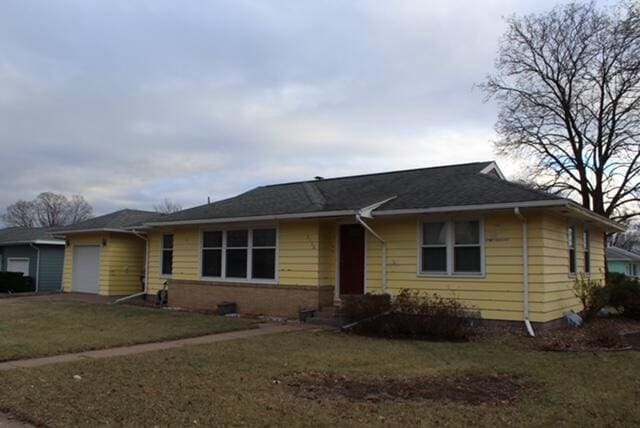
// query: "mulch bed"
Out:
[492,389]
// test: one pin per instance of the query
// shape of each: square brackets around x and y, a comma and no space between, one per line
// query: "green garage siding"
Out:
[51,263]
[19,252]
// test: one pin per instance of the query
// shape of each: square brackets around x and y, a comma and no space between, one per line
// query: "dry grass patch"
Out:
[493,388]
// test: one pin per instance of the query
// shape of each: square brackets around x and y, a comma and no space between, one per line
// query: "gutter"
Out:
[525,269]
[146,272]
[366,212]
[37,264]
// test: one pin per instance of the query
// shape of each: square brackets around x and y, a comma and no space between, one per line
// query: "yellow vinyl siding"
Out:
[121,262]
[300,261]
[497,295]
[123,257]
[307,255]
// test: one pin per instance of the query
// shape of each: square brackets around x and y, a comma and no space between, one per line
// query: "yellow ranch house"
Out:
[506,251]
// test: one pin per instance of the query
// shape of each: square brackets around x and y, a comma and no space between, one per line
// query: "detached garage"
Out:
[34,252]
[106,255]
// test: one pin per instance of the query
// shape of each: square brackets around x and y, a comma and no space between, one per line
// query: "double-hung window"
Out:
[239,254]
[167,254]
[572,249]
[587,251]
[452,248]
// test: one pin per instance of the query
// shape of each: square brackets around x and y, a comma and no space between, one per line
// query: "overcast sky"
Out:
[128,102]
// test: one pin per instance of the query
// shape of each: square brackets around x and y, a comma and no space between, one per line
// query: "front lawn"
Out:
[40,328]
[249,383]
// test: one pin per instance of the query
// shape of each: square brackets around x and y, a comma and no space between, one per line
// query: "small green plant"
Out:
[592,295]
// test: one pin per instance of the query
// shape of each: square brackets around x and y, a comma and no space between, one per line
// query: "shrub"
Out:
[360,307]
[624,292]
[419,316]
[15,282]
[592,295]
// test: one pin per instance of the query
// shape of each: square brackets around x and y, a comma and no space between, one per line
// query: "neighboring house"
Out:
[103,256]
[462,231]
[623,261]
[34,252]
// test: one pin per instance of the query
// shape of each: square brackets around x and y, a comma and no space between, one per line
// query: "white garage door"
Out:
[18,264]
[86,269]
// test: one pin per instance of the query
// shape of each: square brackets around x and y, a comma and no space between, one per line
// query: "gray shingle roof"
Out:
[615,253]
[446,186]
[114,221]
[16,235]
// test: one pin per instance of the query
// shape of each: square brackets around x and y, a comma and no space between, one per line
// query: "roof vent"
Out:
[317,177]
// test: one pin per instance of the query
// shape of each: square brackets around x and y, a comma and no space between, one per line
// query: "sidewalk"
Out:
[263,330]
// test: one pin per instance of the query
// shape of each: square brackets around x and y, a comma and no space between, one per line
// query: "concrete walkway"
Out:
[7,421]
[263,330]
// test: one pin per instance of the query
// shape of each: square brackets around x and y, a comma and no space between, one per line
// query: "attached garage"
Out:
[86,269]
[106,255]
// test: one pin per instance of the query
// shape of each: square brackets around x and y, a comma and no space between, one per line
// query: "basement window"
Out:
[167,254]
[452,248]
[239,254]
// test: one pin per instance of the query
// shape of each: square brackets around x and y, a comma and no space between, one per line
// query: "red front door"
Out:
[351,259]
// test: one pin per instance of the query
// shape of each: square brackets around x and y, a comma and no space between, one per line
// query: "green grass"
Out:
[35,329]
[236,383]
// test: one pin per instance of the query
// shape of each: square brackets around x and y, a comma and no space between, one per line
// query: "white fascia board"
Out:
[111,230]
[480,207]
[493,167]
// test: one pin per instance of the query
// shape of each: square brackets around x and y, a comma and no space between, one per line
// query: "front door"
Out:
[351,259]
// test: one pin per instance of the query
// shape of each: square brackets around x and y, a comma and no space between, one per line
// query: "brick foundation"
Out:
[255,299]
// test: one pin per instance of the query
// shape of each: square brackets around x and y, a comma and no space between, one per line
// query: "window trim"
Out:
[586,251]
[249,279]
[450,246]
[162,251]
[572,235]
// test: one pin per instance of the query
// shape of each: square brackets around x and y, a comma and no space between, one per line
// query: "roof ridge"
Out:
[398,171]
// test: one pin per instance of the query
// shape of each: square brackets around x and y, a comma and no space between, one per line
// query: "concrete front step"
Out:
[326,316]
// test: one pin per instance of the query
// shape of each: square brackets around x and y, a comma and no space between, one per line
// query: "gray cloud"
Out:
[130,102]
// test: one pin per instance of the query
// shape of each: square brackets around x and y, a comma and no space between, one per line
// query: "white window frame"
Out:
[450,246]
[223,270]
[162,251]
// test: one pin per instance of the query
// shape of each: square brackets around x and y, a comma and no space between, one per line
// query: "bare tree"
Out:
[167,206]
[51,209]
[628,240]
[78,209]
[48,209]
[568,90]
[22,213]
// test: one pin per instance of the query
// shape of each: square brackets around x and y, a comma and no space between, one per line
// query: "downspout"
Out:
[525,269]
[367,213]
[146,271]
[384,251]
[37,264]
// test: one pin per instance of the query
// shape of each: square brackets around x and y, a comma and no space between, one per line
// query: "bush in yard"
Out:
[624,292]
[360,307]
[592,295]
[415,315]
